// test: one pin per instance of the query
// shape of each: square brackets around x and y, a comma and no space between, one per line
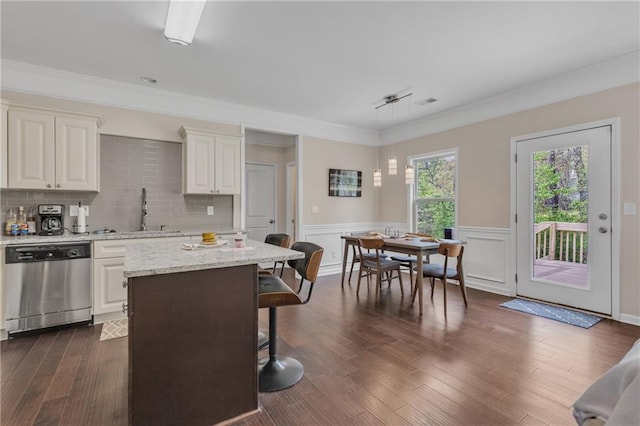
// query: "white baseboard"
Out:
[630,319]
[100,318]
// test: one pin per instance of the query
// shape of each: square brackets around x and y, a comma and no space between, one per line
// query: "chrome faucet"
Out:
[143,224]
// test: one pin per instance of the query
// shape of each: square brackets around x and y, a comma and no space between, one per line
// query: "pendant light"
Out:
[409,174]
[377,178]
[393,161]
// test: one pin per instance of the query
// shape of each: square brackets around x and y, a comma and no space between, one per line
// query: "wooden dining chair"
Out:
[376,265]
[409,261]
[445,272]
[355,258]
[280,240]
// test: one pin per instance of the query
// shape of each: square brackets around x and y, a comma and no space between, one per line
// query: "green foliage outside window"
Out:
[435,194]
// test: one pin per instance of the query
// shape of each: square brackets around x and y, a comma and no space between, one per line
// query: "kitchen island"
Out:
[193,325]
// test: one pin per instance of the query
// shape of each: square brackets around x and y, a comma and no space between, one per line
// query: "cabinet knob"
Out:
[58,186]
[211,191]
[124,284]
[125,306]
[48,185]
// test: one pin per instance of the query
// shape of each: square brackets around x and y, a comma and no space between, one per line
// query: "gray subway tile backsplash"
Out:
[126,166]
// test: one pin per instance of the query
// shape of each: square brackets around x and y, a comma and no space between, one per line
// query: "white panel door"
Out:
[76,154]
[260,211]
[227,165]
[31,150]
[563,229]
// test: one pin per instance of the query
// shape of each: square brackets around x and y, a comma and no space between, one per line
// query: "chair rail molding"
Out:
[487,259]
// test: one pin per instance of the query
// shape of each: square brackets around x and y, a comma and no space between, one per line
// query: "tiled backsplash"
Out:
[126,166]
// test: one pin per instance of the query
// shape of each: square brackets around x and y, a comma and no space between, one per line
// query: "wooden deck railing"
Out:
[561,241]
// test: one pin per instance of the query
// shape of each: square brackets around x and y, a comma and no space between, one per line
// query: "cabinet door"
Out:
[31,150]
[199,162]
[227,165]
[76,154]
[4,134]
[108,292]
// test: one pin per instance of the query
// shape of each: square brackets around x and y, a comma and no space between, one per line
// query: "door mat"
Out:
[557,313]
[114,329]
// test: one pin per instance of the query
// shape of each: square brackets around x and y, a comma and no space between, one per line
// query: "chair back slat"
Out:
[450,250]
[281,240]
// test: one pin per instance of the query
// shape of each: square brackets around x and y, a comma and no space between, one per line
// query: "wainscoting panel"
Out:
[328,236]
[486,259]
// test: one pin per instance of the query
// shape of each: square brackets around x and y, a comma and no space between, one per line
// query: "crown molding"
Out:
[589,79]
[37,80]
[32,79]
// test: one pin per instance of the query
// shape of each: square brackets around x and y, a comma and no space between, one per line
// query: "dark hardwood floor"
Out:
[365,363]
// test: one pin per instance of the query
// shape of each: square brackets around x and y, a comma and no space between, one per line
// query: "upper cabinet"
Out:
[3,144]
[52,150]
[211,162]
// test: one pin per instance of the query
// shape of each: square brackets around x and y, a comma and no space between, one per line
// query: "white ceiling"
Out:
[326,61]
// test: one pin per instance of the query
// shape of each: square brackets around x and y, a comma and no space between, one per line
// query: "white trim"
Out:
[289,218]
[411,217]
[630,319]
[592,78]
[615,198]
[300,195]
[37,80]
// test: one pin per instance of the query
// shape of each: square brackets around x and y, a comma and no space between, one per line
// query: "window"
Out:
[434,196]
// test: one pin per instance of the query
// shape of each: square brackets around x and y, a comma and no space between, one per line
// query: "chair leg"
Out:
[276,373]
[444,286]
[359,279]
[433,286]
[410,272]
[463,289]
[400,279]
[282,270]
[415,290]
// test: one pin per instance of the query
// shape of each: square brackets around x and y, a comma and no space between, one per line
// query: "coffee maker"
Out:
[51,219]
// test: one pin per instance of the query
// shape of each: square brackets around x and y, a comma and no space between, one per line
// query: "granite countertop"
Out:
[68,236]
[166,257]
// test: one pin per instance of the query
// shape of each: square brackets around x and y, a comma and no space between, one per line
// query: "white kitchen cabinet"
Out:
[4,134]
[52,150]
[108,269]
[211,162]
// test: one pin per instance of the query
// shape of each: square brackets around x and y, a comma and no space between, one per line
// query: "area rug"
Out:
[557,313]
[114,329]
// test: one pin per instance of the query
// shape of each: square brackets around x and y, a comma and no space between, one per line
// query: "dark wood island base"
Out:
[193,346]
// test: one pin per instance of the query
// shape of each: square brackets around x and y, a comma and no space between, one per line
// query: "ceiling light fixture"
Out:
[182,20]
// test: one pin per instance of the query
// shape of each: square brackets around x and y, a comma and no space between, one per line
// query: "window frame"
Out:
[411,189]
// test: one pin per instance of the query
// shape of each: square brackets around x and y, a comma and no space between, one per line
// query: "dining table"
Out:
[411,245]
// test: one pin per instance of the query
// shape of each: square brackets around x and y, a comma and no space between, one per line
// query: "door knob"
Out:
[272,221]
[602,229]
[602,216]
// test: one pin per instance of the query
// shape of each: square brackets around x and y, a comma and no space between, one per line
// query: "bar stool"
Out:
[280,240]
[278,372]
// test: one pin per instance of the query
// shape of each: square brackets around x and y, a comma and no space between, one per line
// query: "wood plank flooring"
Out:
[366,363]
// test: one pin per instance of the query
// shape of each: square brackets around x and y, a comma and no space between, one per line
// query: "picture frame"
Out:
[345,183]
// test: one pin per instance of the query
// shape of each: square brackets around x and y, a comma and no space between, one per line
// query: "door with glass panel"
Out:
[563,222]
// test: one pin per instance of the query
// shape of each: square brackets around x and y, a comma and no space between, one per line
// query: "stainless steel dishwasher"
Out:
[47,285]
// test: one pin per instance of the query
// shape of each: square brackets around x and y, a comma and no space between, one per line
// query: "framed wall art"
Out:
[345,183]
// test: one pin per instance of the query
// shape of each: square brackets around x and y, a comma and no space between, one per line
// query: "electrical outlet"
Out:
[210,210]
[334,253]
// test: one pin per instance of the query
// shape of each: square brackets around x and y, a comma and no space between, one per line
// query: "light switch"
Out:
[73,210]
[629,209]
[315,209]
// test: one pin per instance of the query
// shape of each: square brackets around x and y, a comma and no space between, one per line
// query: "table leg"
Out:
[345,255]
[419,279]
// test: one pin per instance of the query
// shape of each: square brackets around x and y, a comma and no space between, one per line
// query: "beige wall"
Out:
[319,156]
[278,157]
[484,167]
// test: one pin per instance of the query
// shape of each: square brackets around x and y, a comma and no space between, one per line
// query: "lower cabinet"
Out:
[109,294]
